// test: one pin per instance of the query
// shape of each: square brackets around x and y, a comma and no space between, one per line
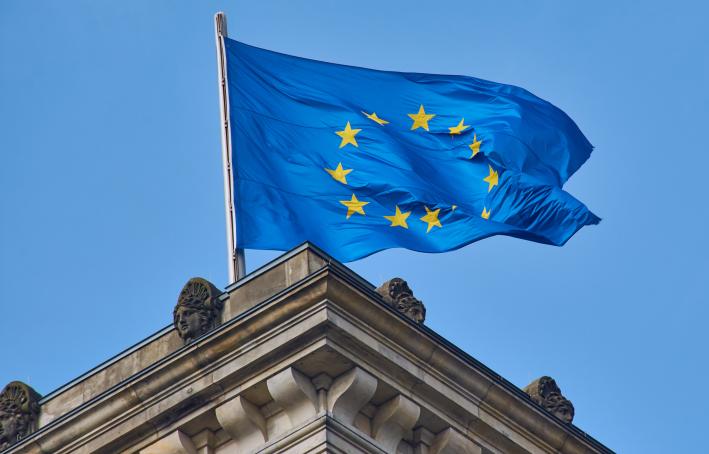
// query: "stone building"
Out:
[302,355]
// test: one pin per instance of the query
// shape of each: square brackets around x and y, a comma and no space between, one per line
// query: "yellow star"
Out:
[485,214]
[431,218]
[348,135]
[458,129]
[491,179]
[339,174]
[399,218]
[421,119]
[354,206]
[475,146]
[373,117]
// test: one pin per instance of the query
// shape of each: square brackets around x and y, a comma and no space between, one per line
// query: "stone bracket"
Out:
[450,441]
[393,420]
[322,384]
[295,394]
[244,422]
[349,393]
[175,443]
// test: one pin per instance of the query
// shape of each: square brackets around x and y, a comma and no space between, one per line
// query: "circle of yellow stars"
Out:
[399,218]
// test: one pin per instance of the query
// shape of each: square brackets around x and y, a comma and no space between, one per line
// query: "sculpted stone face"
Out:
[563,410]
[198,309]
[412,308]
[19,410]
[546,393]
[189,322]
[11,428]
[397,293]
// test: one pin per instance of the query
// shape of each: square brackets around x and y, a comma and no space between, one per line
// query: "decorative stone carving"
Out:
[322,383]
[349,393]
[19,411]
[295,394]
[198,309]
[393,420]
[450,441]
[546,393]
[397,293]
[174,443]
[244,422]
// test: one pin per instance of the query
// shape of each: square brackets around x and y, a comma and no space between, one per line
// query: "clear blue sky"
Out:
[111,188]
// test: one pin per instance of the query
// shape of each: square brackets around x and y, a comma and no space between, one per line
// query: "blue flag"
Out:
[357,160]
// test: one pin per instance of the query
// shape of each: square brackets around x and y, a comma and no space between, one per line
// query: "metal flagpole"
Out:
[236,258]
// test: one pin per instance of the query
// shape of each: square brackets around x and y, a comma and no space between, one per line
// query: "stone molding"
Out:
[295,394]
[175,443]
[393,420]
[322,383]
[450,441]
[254,429]
[349,393]
[329,309]
[244,422]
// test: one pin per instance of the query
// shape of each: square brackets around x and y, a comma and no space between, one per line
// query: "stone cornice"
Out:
[177,370]
[317,308]
[495,394]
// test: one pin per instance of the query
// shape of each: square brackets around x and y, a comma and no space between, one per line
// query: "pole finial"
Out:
[220,22]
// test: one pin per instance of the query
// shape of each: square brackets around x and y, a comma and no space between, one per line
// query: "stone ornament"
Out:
[19,412]
[397,294]
[393,420]
[546,393]
[176,442]
[198,309]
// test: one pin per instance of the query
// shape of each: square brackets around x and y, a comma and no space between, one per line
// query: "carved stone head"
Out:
[397,294]
[19,411]
[198,309]
[546,393]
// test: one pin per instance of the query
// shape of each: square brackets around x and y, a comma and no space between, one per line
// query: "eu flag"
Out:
[357,160]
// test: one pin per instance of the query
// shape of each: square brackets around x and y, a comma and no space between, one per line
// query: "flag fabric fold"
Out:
[357,160]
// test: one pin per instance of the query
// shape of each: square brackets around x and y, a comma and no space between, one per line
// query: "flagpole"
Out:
[236,259]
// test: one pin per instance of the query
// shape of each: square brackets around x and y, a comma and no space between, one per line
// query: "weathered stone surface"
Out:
[397,293]
[393,420]
[349,393]
[546,393]
[295,394]
[244,422]
[113,373]
[19,412]
[288,375]
[175,443]
[269,281]
[198,309]
[450,441]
